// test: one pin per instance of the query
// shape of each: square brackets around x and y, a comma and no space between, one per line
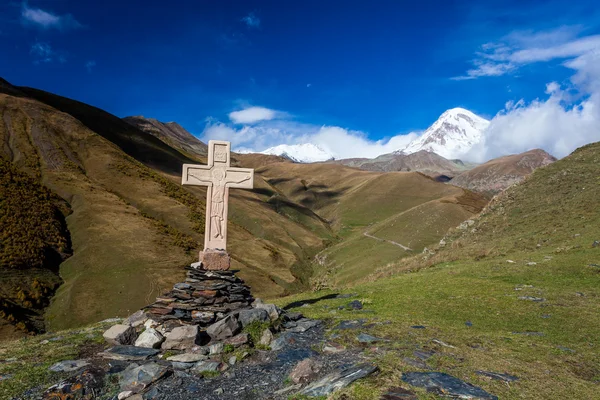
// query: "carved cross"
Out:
[218,176]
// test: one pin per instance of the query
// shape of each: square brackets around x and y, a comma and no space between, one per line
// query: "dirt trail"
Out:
[367,234]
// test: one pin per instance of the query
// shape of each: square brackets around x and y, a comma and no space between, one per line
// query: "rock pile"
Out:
[204,298]
[208,308]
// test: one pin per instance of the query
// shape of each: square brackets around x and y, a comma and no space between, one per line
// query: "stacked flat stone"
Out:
[204,298]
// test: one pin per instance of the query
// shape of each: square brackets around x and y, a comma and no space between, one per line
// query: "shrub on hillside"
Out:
[33,232]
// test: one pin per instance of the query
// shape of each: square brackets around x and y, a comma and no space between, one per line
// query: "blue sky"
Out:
[372,70]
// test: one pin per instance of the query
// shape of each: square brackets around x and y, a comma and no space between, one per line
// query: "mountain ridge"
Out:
[497,174]
[303,153]
[123,187]
[171,133]
[452,135]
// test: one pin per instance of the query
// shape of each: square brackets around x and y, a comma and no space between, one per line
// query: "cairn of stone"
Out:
[210,308]
[203,299]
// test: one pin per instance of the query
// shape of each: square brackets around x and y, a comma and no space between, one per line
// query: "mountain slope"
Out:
[302,153]
[133,227]
[451,136]
[423,161]
[515,290]
[361,204]
[171,133]
[137,144]
[498,174]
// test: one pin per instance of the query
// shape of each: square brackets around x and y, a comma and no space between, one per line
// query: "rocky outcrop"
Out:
[496,175]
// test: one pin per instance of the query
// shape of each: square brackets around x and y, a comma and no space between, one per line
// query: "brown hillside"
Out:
[500,173]
[171,133]
[426,162]
[133,226]
[370,211]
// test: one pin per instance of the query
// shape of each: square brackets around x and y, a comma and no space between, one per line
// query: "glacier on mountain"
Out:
[303,153]
[452,136]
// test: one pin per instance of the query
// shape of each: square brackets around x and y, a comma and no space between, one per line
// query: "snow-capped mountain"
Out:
[454,133]
[304,153]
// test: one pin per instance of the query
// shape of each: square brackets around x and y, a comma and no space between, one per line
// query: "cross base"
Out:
[215,260]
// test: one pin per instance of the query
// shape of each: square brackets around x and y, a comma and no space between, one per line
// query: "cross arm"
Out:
[242,178]
[196,175]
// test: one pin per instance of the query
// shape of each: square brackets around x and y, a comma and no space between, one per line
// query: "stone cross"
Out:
[218,176]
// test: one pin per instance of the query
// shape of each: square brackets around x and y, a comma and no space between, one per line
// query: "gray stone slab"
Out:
[448,385]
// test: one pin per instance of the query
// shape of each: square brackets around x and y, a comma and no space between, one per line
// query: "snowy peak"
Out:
[454,133]
[303,153]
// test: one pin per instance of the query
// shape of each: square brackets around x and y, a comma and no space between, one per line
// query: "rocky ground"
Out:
[299,363]
[209,339]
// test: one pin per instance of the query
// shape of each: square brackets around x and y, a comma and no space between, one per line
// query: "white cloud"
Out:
[47,20]
[43,53]
[521,48]
[251,115]
[251,20]
[89,65]
[340,142]
[567,119]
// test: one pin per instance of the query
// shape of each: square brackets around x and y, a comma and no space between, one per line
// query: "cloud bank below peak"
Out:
[263,128]
[570,115]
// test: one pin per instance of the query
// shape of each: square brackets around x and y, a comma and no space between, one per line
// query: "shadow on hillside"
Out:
[300,303]
[279,204]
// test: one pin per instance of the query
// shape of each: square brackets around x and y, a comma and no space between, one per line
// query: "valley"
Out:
[302,225]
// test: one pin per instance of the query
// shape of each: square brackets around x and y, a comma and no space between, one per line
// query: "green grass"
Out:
[545,226]
[32,356]
[445,296]
[255,330]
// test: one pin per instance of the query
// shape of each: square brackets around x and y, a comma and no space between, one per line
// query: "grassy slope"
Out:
[408,208]
[134,227]
[123,187]
[470,279]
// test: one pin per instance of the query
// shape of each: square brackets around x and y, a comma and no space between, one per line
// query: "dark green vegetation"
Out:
[34,240]
[32,228]
[28,359]
[133,226]
[525,276]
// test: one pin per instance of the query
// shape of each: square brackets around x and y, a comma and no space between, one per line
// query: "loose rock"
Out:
[305,371]
[238,340]
[446,385]
[271,309]
[498,376]
[531,298]
[224,328]
[215,349]
[366,338]
[128,353]
[187,358]
[355,305]
[138,377]
[333,348]
[303,325]
[399,394]
[150,338]
[69,365]
[338,380]
[206,366]
[266,338]
[181,338]
[246,317]
[82,386]
[136,319]
[120,335]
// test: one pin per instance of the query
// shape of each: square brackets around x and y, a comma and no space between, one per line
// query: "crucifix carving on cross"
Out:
[218,176]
